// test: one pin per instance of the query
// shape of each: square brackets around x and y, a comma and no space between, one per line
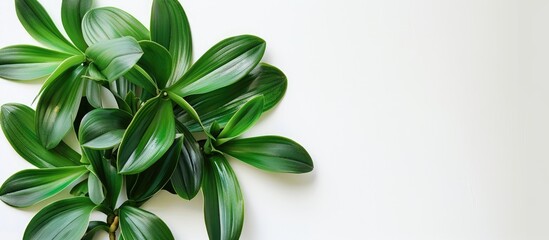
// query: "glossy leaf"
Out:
[221,104]
[170,28]
[107,23]
[62,220]
[138,224]
[270,153]
[157,62]
[115,57]
[93,228]
[80,189]
[103,128]
[58,106]
[222,65]
[223,202]
[149,136]
[93,93]
[63,68]
[138,76]
[29,187]
[106,172]
[187,177]
[144,185]
[95,189]
[17,121]
[39,25]
[72,13]
[26,62]
[242,120]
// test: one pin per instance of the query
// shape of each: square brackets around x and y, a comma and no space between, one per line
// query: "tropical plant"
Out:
[175,124]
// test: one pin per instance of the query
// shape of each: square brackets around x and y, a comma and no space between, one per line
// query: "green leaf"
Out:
[80,189]
[25,62]
[242,120]
[270,153]
[64,67]
[58,106]
[157,62]
[107,173]
[29,187]
[222,65]
[138,224]
[170,28]
[62,220]
[17,122]
[95,189]
[107,23]
[187,177]
[72,13]
[103,128]
[141,78]
[115,57]
[39,25]
[221,104]
[223,202]
[93,93]
[144,185]
[93,228]
[149,136]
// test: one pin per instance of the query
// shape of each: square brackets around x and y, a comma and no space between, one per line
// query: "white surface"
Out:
[426,119]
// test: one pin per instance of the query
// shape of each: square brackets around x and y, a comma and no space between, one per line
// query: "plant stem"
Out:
[113,228]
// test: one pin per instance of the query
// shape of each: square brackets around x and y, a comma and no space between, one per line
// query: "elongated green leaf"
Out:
[106,23]
[144,185]
[242,120]
[149,136]
[39,25]
[95,189]
[138,224]
[187,177]
[93,93]
[80,189]
[72,12]
[270,153]
[223,202]
[25,62]
[221,104]
[83,109]
[58,106]
[107,173]
[62,220]
[170,28]
[103,128]
[17,122]
[64,67]
[222,65]
[93,228]
[157,62]
[115,57]
[141,78]
[28,187]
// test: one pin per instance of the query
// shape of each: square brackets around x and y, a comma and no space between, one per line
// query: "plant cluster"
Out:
[175,122]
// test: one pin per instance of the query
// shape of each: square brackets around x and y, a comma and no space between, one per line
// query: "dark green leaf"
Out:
[72,12]
[25,62]
[157,62]
[221,104]
[187,176]
[107,173]
[103,128]
[141,78]
[80,189]
[271,153]
[138,224]
[93,93]
[18,124]
[93,228]
[83,109]
[170,28]
[115,57]
[223,202]
[39,25]
[106,23]
[95,189]
[149,136]
[29,187]
[58,106]
[62,220]
[63,68]
[222,65]
[242,120]
[144,185]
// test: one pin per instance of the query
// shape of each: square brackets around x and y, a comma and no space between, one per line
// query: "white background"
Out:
[426,119]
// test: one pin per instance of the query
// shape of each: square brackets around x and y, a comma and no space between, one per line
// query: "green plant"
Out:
[175,123]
